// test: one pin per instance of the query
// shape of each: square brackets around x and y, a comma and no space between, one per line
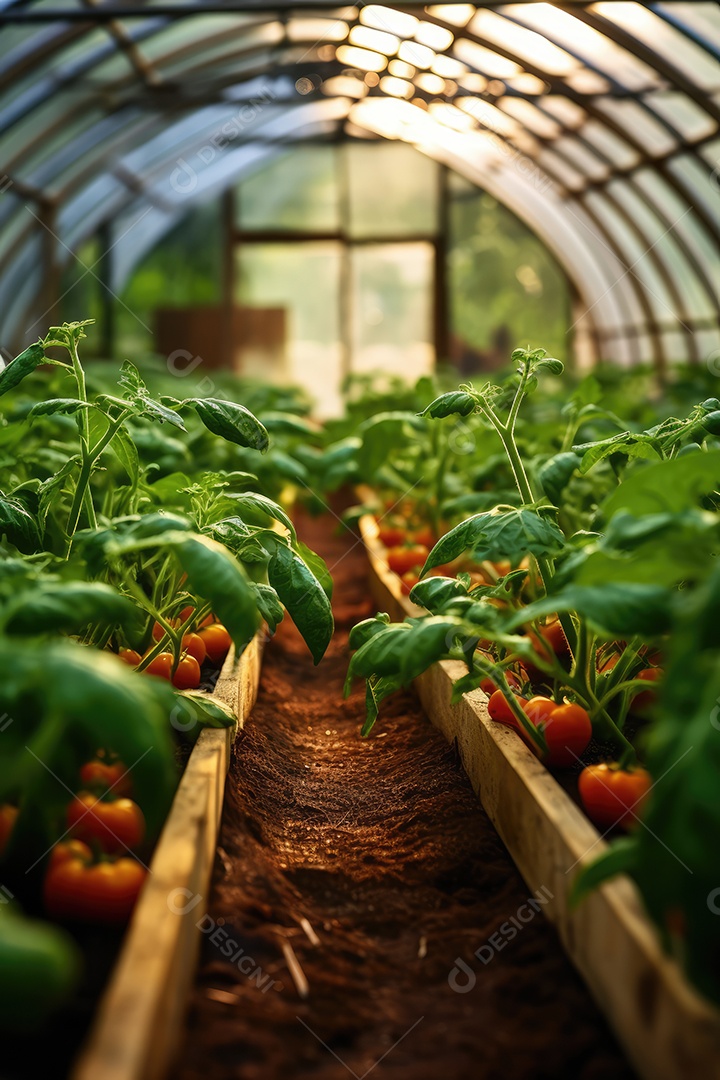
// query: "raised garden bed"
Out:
[667,1030]
[140,1014]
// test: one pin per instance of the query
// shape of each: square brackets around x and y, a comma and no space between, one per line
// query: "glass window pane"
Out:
[684,223]
[581,157]
[670,43]
[525,294]
[620,153]
[563,28]
[298,190]
[408,181]
[639,124]
[392,326]
[683,113]
[635,261]
[661,236]
[303,280]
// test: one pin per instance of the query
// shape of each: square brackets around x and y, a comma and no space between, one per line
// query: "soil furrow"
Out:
[379,848]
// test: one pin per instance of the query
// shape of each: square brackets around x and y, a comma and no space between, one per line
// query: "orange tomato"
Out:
[130,656]
[75,888]
[613,796]
[194,645]
[113,825]
[217,642]
[161,665]
[187,673]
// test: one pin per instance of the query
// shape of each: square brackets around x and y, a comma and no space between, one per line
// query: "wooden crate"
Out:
[141,1012]
[668,1031]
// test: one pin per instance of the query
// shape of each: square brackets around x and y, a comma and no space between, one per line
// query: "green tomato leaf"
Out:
[455,403]
[204,710]
[277,423]
[376,690]
[499,534]
[269,606]
[59,406]
[620,858]
[14,372]
[620,610]
[556,474]
[67,607]
[669,486]
[434,592]
[317,566]
[216,575]
[266,506]
[18,525]
[232,422]
[303,596]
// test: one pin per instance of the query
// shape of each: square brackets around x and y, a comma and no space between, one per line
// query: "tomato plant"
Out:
[578,598]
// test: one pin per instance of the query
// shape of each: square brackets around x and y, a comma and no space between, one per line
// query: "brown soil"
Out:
[381,845]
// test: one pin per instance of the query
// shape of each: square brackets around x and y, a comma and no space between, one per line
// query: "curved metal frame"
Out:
[98,149]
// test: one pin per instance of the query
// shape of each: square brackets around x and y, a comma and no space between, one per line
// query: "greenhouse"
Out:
[359,536]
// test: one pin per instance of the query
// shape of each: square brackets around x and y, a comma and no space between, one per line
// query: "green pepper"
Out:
[39,969]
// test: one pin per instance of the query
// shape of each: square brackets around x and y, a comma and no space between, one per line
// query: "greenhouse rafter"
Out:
[597,107]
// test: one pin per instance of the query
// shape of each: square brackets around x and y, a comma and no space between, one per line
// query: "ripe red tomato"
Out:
[645,699]
[567,730]
[158,632]
[187,673]
[613,796]
[76,888]
[391,535]
[104,776]
[402,559]
[113,825]
[8,815]
[129,656]
[217,642]
[550,639]
[194,645]
[186,613]
[500,711]
[161,665]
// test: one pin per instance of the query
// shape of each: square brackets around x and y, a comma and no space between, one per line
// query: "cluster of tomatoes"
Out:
[611,795]
[408,540]
[211,641]
[91,876]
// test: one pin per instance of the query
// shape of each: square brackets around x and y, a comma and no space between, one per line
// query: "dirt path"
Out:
[382,847]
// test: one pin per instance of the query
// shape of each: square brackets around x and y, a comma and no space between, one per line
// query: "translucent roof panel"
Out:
[597,123]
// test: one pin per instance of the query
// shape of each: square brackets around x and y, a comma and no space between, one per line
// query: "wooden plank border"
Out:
[140,1016]
[668,1031]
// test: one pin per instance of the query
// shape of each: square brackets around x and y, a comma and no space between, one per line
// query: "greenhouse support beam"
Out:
[109,12]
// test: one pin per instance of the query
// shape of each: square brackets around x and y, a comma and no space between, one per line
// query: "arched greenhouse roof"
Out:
[596,123]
